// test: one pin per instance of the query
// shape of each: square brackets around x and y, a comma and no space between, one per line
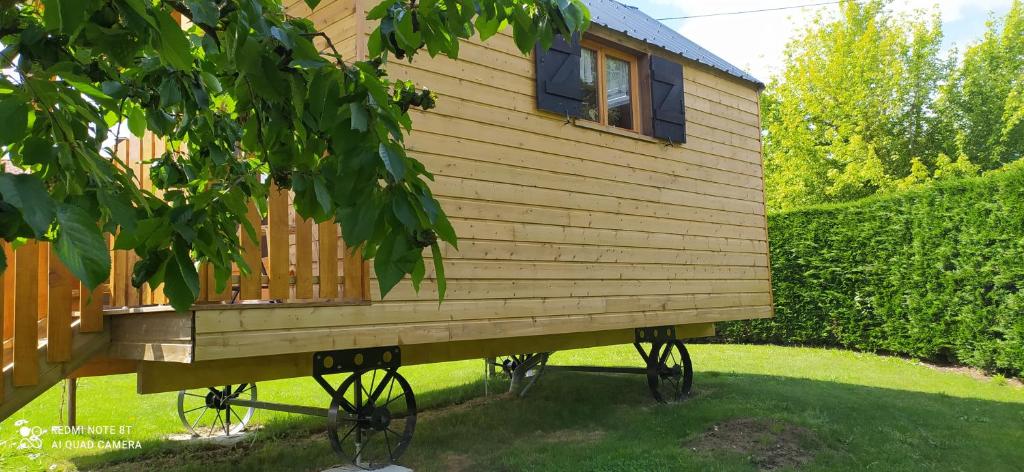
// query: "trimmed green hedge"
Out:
[934,273]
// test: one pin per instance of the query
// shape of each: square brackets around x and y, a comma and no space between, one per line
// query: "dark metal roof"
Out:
[639,25]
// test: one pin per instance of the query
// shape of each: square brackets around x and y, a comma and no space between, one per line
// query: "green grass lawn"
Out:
[808,409]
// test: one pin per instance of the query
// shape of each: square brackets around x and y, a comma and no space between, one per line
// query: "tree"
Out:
[982,103]
[852,111]
[244,99]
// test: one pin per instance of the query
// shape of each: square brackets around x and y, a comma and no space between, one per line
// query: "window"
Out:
[589,82]
[608,79]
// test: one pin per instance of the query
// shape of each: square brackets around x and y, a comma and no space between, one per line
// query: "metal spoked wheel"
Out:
[207,412]
[372,418]
[670,372]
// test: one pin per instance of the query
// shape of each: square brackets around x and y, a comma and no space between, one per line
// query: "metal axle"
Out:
[297,409]
[599,369]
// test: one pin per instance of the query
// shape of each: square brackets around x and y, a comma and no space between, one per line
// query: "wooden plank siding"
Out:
[563,228]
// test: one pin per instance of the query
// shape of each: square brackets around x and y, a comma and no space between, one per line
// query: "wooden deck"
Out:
[154,377]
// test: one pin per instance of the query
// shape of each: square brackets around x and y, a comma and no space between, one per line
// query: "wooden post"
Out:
[91,308]
[26,315]
[303,258]
[72,401]
[145,292]
[277,240]
[58,324]
[328,259]
[43,285]
[4,295]
[8,283]
[353,275]
[251,285]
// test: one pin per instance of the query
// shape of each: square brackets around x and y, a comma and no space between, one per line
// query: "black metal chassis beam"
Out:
[297,409]
[598,369]
[656,335]
[334,362]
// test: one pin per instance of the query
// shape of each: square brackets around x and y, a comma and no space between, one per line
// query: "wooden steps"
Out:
[52,325]
[83,347]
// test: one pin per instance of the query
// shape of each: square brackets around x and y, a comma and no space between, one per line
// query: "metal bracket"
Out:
[356,360]
[655,334]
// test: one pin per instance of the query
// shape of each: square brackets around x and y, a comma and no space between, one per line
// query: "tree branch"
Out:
[187,13]
[330,44]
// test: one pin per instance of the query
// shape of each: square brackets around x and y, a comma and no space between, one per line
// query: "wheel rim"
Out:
[670,372]
[207,412]
[509,364]
[372,418]
[532,363]
[528,368]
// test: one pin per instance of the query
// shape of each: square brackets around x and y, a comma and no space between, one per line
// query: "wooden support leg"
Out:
[72,401]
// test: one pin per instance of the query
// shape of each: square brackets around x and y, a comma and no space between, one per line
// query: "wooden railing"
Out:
[292,260]
[43,306]
[48,315]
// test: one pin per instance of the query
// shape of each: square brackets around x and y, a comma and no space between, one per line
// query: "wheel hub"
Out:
[218,399]
[374,417]
[215,400]
[509,366]
[380,418]
[671,372]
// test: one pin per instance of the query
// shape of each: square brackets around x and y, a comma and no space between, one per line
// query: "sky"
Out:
[755,42]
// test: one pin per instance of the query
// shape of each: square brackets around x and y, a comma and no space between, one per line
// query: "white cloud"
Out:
[755,42]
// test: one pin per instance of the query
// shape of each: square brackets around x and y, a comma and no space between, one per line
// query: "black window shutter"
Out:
[559,88]
[667,100]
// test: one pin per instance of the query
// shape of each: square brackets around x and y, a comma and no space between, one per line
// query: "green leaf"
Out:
[487,28]
[380,10]
[281,36]
[323,196]
[444,230]
[137,121]
[403,211]
[442,282]
[523,38]
[187,267]
[360,116]
[14,116]
[204,12]
[81,246]
[139,8]
[120,211]
[146,234]
[392,157]
[211,82]
[170,92]
[148,269]
[312,3]
[251,134]
[27,193]
[375,45]
[359,224]
[173,45]
[408,37]
[113,89]
[393,260]
[159,121]
[38,151]
[419,270]
[176,287]
[65,16]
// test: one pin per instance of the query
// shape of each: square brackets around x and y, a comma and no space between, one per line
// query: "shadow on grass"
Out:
[575,421]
